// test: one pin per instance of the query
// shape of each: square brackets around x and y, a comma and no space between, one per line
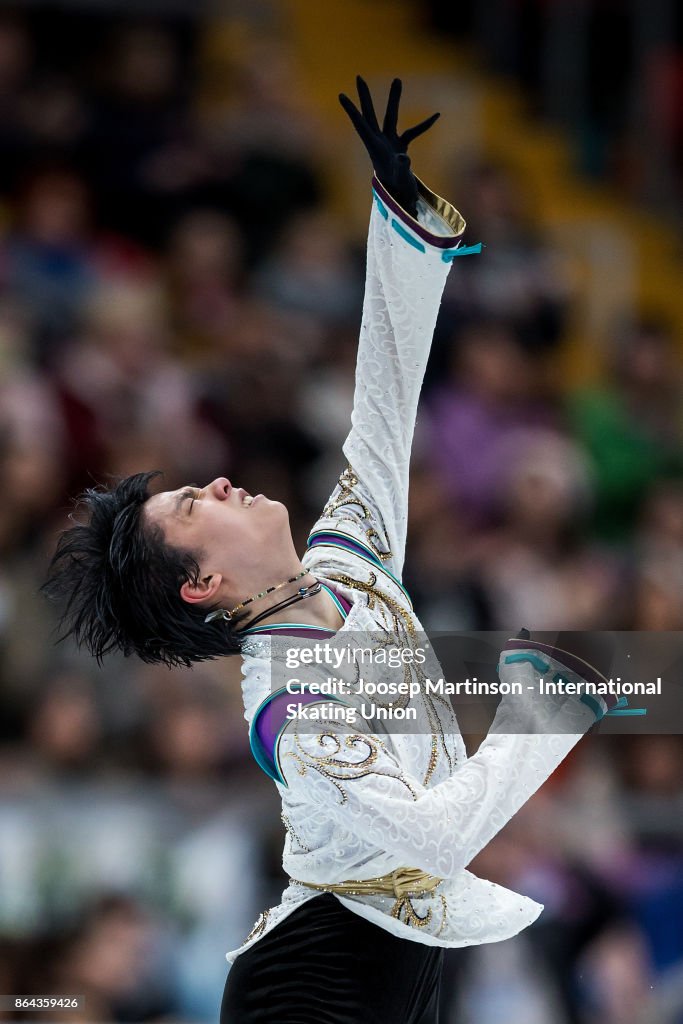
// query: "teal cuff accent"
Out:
[593,704]
[530,657]
[399,229]
[623,712]
[465,250]
[381,207]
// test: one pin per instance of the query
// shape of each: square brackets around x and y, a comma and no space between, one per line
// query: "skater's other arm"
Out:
[365,790]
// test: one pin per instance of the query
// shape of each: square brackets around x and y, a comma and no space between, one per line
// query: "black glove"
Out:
[386,148]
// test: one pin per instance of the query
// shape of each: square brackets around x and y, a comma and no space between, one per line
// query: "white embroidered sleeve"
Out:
[407,264]
[364,790]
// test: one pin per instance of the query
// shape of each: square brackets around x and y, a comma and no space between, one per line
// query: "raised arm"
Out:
[412,240]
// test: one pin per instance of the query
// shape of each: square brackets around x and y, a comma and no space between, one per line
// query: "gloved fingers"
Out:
[351,109]
[366,103]
[403,173]
[389,125]
[412,133]
[357,119]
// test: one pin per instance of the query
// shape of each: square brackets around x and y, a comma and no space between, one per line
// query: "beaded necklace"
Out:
[223,613]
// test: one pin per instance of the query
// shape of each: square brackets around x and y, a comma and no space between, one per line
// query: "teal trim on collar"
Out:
[340,607]
[283,625]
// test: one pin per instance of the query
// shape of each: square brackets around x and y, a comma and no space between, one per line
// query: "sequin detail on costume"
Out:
[259,926]
[348,480]
[404,635]
[335,768]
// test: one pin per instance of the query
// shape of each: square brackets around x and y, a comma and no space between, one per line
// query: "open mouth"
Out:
[248,500]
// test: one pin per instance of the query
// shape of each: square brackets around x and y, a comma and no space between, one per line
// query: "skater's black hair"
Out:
[120,583]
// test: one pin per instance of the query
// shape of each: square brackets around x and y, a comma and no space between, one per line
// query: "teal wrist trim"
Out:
[621,708]
[590,701]
[465,250]
[406,235]
[530,657]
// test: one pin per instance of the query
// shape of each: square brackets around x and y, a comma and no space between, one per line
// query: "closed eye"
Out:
[190,493]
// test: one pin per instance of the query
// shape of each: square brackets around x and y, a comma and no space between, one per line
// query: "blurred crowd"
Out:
[176,294]
[610,72]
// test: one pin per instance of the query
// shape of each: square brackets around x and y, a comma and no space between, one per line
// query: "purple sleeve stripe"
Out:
[269,723]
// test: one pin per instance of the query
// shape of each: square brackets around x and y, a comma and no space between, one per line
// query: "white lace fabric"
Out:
[359,804]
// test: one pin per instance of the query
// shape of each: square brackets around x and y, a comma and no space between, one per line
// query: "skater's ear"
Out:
[202,590]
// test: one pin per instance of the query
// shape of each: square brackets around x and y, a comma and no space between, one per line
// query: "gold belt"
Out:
[399,883]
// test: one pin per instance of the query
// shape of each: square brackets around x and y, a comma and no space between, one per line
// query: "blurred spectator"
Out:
[262,143]
[46,263]
[16,59]
[123,390]
[250,393]
[204,280]
[658,594]
[118,958]
[32,439]
[65,728]
[490,402]
[537,569]
[141,151]
[632,426]
[311,271]
[441,571]
[522,279]
[536,854]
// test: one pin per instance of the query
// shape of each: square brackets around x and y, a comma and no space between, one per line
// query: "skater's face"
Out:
[232,535]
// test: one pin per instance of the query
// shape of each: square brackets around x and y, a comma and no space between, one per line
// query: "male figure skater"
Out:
[380,828]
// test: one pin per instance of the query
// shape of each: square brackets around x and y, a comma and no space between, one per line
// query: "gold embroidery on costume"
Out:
[372,536]
[411,917]
[444,914]
[347,481]
[303,768]
[259,926]
[405,635]
[405,884]
[403,906]
[336,770]
[293,833]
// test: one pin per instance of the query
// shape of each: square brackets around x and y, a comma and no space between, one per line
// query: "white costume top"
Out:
[357,806]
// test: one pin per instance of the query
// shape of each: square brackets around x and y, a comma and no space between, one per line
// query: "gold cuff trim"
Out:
[448,213]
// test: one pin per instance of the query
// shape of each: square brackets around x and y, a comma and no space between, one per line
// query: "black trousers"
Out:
[326,965]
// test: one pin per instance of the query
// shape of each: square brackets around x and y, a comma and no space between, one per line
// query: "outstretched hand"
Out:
[387,149]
